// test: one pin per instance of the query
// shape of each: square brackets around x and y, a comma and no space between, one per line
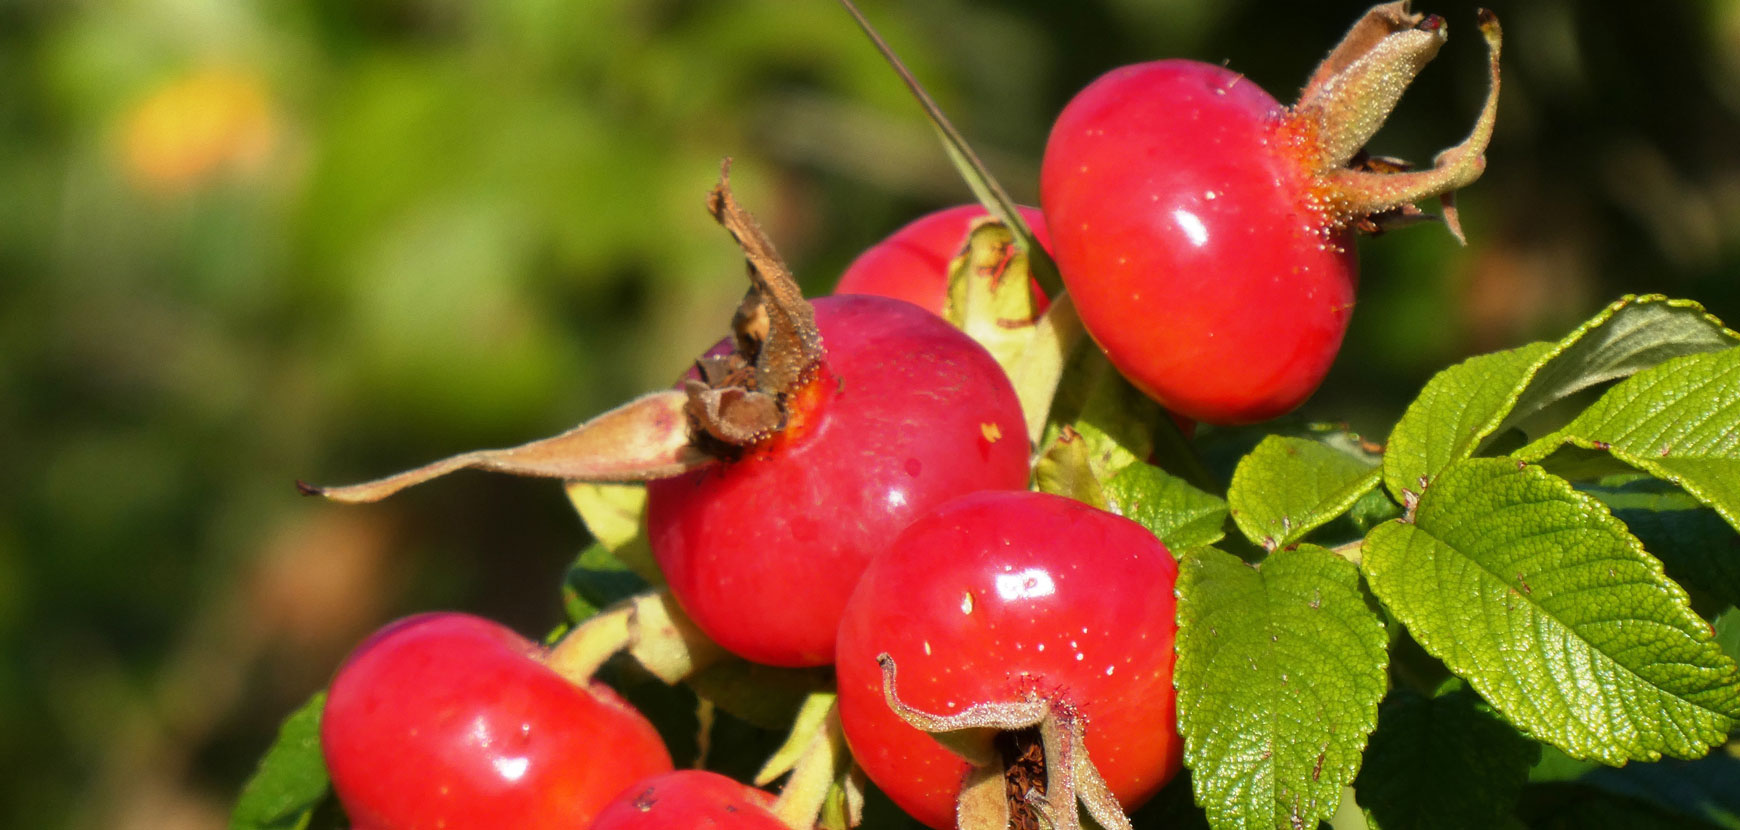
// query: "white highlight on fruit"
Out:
[512,769]
[1192,226]
[1032,583]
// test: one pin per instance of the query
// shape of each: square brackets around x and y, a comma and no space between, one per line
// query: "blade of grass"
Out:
[984,186]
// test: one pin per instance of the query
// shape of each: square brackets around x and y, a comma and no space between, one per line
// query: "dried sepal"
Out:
[644,439]
[791,347]
[1347,100]
[1377,23]
[1346,108]
[1002,740]
[740,399]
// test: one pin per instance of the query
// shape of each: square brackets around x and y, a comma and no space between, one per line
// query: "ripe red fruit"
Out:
[992,596]
[904,413]
[691,800]
[1205,231]
[912,264]
[449,720]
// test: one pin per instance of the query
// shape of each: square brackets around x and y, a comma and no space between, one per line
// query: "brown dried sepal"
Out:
[1348,98]
[740,399]
[644,439]
[1029,757]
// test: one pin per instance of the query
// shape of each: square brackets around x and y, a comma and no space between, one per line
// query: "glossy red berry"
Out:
[993,596]
[904,413]
[1205,231]
[1187,237]
[689,800]
[449,720]
[912,264]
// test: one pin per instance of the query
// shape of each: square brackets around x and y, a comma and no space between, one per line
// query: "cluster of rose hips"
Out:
[845,482]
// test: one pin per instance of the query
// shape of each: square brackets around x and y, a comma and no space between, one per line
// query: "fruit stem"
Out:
[978,177]
[584,649]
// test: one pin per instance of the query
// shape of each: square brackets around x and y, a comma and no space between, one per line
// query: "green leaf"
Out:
[596,580]
[615,515]
[1679,422]
[1444,761]
[1280,670]
[1465,406]
[1706,789]
[1454,414]
[1179,514]
[1372,508]
[1699,549]
[1287,487]
[1728,633]
[1632,334]
[291,779]
[1549,608]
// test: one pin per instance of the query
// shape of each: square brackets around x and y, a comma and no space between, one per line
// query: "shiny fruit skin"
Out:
[689,800]
[449,720]
[996,594]
[912,264]
[1186,233]
[762,552]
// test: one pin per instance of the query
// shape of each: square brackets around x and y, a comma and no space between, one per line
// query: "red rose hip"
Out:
[997,596]
[905,412]
[1205,231]
[912,264]
[451,721]
[689,800]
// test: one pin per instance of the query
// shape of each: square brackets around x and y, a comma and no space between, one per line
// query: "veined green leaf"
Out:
[1679,422]
[1632,334]
[1179,514]
[1442,762]
[1287,487]
[1698,548]
[291,780]
[1467,405]
[1280,670]
[1550,609]
[597,579]
[1457,410]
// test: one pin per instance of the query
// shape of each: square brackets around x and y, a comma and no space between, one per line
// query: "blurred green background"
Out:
[245,242]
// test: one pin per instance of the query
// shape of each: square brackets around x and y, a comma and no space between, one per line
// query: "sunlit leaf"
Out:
[291,780]
[1287,487]
[1679,422]
[1550,609]
[1280,669]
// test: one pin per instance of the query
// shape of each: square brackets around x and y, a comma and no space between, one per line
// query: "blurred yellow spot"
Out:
[991,431]
[198,126]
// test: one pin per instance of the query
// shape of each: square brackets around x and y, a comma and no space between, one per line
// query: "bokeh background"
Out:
[245,242]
